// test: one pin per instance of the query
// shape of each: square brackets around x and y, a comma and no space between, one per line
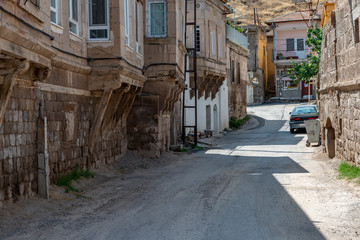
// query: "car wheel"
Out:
[292,130]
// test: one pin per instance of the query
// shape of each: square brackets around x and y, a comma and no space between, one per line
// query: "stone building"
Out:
[236,52]
[339,82]
[155,125]
[257,64]
[210,42]
[69,73]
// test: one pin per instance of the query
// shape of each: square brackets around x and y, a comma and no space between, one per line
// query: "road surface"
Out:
[257,183]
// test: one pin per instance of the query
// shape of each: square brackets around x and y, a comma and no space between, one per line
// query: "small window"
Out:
[238,73]
[232,69]
[156,18]
[180,26]
[54,11]
[300,44]
[99,19]
[290,44]
[136,21]
[357,34]
[127,27]
[197,42]
[74,16]
[220,45]
[213,42]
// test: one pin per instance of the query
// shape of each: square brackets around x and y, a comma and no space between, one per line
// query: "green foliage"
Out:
[237,123]
[76,174]
[193,147]
[235,27]
[309,68]
[348,171]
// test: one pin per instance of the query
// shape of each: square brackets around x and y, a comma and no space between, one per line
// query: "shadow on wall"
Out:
[329,138]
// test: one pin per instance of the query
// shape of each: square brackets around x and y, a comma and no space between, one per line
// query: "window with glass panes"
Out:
[300,44]
[74,16]
[99,19]
[54,11]
[156,18]
[290,44]
[197,43]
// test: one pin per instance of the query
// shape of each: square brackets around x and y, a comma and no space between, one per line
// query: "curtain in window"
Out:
[157,15]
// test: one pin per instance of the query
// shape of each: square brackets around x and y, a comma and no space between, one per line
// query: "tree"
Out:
[309,68]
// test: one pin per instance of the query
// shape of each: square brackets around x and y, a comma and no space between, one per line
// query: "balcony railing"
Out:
[236,37]
[288,55]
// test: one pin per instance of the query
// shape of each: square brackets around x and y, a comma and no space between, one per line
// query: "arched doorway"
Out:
[216,120]
[330,139]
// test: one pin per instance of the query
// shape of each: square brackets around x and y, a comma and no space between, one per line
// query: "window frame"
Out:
[71,15]
[198,39]
[287,44]
[238,72]
[220,45]
[232,69]
[56,11]
[126,21]
[297,44]
[99,27]
[148,19]
[213,43]
[136,22]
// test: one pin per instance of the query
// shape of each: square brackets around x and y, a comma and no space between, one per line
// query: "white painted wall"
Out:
[221,101]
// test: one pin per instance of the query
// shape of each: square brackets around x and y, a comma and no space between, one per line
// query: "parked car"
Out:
[300,114]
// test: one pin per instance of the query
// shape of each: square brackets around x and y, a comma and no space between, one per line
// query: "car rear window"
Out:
[304,110]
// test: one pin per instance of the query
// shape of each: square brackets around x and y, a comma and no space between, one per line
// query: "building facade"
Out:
[69,73]
[339,82]
[256,65]
[289,36]
[236,52]
[210,42]
[155,125]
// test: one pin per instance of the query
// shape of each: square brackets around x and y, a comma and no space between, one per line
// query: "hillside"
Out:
[267,9]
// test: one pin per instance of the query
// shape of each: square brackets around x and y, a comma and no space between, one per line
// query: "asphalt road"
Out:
[257,183]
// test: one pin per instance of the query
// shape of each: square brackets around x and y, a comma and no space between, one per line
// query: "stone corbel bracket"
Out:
[208,82]
[117,88]
[10,68]
[168,88]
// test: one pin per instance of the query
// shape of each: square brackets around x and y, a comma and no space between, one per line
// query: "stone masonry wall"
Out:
[339,83]
[69,119]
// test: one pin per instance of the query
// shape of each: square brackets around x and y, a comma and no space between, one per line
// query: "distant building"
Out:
[257,64]
[237,58]
[289,36]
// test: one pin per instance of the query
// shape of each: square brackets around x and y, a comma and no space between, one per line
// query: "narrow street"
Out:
[255,183]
